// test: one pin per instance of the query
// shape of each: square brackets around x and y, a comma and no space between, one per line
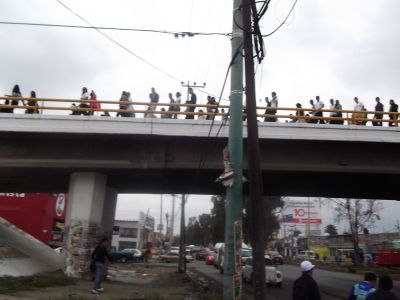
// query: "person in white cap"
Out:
[305,287]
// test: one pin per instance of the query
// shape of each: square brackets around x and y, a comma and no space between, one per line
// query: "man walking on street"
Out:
[99,256]
[305,287]
[361,290]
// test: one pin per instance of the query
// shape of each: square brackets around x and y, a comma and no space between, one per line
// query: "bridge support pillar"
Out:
[110,205]
[84,220]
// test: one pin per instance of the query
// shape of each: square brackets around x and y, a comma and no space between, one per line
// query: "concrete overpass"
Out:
[38,153]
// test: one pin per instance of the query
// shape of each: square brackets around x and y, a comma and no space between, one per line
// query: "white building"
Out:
[133,234]
[125,234]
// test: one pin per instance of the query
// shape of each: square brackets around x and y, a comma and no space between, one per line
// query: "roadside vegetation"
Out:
[9,285]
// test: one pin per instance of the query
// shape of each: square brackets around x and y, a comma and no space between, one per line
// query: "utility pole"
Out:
[160,229]
[167,233]
[172,223]
[182,241]
[234,204]
[188,85]
[257,209]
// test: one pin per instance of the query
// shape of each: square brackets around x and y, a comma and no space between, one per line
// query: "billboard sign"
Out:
[301,212]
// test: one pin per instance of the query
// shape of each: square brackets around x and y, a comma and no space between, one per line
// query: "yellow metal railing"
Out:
[351,116]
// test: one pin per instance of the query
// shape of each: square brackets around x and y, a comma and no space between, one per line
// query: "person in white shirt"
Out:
[319,105]
[84,96]
[358,107]
[312,113]
[274,103]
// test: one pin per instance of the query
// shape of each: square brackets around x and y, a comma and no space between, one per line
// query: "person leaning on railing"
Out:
[393,108]
[32,103]
[15,93]
[359,107]
[336,114]
[299,113]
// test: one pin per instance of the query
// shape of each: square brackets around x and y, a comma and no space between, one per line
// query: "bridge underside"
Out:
[315,184]
[43,162]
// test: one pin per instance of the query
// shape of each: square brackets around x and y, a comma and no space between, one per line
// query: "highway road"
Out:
[333,285]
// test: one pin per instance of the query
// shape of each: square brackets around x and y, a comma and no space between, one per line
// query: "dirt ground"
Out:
[126,281]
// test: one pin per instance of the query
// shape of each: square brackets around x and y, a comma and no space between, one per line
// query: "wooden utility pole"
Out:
[182,240]
[257,209]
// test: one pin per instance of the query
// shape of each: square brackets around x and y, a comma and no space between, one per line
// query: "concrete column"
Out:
[87,192]
[110,205]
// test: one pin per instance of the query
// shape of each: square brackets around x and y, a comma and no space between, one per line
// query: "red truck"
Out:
[40,215]
[388,257]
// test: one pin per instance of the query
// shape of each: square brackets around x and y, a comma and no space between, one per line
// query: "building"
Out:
[125,234]
[133,234]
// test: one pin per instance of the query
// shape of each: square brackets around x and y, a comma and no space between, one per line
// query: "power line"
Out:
[204,155]
[171,32]
[284,21]
[117,43]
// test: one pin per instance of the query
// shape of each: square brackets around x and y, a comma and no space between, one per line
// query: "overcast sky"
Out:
[333,48]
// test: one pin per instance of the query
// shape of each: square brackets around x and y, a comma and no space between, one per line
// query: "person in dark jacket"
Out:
[305,287]
[99,256]
[383,292]
[378,108]
[393,108]
[192,100]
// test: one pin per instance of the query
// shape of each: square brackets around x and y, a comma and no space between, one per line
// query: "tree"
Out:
[218,219]
[198,230]
[360,214]
[208,228]
[272,224]
[331,229]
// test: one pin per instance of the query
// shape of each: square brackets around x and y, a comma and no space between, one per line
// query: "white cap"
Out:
[306,266]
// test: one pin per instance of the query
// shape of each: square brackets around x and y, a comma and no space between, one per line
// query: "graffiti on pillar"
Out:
[237,287]
[238,235]
[227,178]
[81,239]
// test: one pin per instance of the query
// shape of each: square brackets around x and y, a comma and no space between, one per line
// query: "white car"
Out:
[309,255]
[272,275]
[174,250]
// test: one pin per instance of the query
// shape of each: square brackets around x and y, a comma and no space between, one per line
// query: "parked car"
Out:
[127,255]
[201,254]
[276,257]
[174,257]
[246,253]
[210,260]
[309,255]
[272,275]
[174,250]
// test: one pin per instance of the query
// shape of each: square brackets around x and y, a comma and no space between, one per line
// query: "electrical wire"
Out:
[117,43]
[204,155]
[284,21]
[174,33]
